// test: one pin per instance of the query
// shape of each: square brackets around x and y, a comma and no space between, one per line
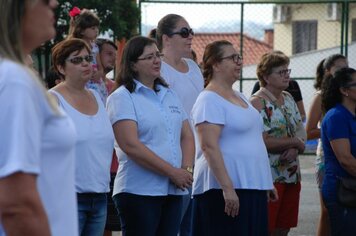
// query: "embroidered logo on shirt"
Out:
[174,109]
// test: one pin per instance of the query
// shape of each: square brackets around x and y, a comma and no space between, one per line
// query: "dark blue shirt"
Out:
[338,123]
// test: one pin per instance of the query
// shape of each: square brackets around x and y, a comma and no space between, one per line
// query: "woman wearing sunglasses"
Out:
[153,144]
[37,195]
[284,137]
[338,100]
[174,37]
[232,175]
[72,59]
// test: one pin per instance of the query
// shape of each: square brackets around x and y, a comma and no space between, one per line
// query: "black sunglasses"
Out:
[79,60]
[184,32]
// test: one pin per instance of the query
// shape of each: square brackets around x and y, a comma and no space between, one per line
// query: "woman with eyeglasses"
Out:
[154,144]
[174,38]
[325,68]
[232,175]
[93,150]
[37,195]
[284,136]
[338,101]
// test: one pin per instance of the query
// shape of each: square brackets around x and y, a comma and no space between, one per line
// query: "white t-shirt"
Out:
[37,141]
[186,85]
[241,144]
[94,147]
[159,117]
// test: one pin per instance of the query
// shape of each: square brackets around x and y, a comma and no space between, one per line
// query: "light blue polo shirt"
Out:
[159,117]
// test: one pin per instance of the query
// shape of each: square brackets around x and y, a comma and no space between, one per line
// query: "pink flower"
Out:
[74,12]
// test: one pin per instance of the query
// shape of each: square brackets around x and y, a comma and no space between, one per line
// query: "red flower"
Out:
[74,12]
[269,112]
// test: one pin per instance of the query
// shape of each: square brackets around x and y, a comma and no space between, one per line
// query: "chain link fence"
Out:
[305,31]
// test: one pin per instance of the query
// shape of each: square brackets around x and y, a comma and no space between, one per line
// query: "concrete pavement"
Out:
[309,208]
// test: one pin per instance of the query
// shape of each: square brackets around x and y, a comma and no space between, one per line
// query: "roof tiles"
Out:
[253,48]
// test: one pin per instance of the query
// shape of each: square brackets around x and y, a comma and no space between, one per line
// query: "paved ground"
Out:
[309,208]
[309,204]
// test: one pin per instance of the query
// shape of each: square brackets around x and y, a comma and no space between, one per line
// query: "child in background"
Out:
[84,24]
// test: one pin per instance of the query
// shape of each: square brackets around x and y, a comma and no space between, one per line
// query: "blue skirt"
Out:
[211,220]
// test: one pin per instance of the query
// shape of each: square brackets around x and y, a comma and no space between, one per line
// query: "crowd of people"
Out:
[168,148]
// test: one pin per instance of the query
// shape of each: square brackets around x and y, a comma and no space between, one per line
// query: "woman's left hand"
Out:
[289,155]
[232,202]
[272,195]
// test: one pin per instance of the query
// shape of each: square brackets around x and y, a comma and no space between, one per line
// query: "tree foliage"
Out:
[119,17]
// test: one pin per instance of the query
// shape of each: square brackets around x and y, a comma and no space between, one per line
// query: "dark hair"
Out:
[212,54]
[331,95]
[269,61]
[166,26]
[323,65]
[132,51]
[51,77]
[62,50]
[194,55]
[100,42]
[153,34]
[82,21]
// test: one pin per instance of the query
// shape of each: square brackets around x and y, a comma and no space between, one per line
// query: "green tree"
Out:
[119,17]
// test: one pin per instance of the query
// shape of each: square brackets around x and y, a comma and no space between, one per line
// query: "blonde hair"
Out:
[11,42]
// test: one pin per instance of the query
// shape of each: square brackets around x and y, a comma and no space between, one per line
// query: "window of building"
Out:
[353,33]
[304,36]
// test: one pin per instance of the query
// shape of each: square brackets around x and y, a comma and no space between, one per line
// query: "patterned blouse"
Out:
[276,125]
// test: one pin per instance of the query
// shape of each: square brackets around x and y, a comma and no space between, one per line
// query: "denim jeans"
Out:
[342,219]
[92,213]
[149,215]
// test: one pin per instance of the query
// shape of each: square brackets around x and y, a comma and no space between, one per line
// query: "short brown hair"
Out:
[269,61]
[62,50]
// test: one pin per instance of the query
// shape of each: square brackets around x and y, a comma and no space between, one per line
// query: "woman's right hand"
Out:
[181,178]
[232,203]
[300,145]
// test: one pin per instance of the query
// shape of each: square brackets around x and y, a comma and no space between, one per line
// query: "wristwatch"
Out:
[189,169]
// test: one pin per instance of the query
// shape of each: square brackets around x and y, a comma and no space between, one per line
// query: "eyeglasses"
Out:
[184,32]
[152,56]
[234,57]
[284,72]
[350,85]
[79,60]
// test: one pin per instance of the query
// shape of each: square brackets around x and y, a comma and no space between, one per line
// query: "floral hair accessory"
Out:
[74,12]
